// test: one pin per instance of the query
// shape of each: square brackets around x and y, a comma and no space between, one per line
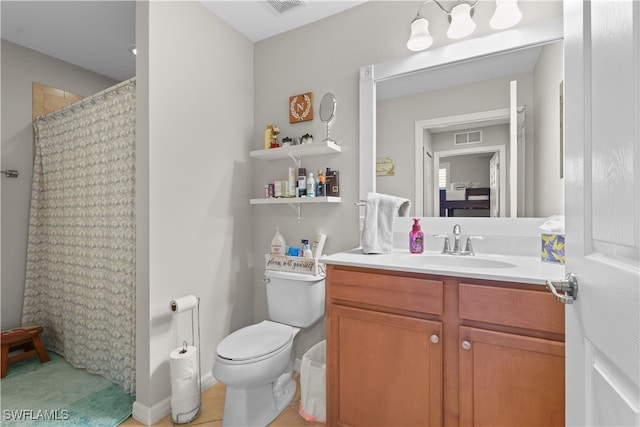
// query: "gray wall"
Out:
[195,116]
[326,56]
[20,68]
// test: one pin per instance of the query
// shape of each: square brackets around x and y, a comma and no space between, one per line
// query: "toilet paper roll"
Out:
[185,389]
[179,305]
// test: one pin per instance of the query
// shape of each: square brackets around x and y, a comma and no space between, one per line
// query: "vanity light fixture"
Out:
[461,23]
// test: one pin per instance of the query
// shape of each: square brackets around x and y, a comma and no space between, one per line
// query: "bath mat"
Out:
[57,394]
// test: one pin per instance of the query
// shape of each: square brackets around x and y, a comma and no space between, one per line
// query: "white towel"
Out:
[377,231]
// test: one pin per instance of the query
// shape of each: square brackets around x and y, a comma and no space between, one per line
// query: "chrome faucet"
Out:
[457,247]
[456,239]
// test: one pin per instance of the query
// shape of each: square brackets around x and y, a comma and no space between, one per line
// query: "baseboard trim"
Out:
[150,415]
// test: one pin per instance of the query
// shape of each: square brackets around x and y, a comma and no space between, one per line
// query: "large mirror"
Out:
[471,131]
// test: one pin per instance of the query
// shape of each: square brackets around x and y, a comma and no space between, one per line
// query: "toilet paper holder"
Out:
[189,303]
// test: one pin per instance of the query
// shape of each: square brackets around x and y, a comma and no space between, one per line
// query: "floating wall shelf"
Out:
[293,151]
[295,200]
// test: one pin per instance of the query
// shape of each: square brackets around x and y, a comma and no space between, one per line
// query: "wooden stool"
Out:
[26,338]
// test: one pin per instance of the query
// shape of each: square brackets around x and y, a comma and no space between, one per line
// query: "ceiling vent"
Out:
[282,6]
[471,137]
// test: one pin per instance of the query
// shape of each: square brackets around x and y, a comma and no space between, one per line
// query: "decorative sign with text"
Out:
[301,107]
[292,264]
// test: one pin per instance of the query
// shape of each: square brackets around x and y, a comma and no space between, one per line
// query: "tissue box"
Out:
[552,248]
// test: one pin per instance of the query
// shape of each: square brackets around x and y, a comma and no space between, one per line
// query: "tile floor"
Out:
[213,408]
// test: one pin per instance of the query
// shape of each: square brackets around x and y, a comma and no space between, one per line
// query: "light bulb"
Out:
[507,14]
[420,38]
[461,23]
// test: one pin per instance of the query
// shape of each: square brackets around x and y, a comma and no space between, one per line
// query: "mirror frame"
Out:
[496,43]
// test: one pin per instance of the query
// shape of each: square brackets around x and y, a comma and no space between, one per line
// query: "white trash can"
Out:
[313,369]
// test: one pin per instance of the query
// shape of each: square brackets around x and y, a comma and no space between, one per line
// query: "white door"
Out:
[602,208]
[494,185]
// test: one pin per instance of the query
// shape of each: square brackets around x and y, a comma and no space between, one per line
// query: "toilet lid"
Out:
[255,341]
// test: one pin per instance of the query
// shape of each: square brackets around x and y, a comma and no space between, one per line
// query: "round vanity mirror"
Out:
[327,107]
[328,111]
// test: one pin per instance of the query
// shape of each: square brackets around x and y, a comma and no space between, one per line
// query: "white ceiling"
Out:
[96,35]
[257,20]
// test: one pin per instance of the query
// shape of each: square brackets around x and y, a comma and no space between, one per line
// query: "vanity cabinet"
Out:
[374,377]
[410,349]
[511,361]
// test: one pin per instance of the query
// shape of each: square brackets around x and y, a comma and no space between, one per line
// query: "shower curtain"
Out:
[80,272]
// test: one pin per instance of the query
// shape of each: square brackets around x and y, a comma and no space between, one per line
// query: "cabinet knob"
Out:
[466,345]
[435,339]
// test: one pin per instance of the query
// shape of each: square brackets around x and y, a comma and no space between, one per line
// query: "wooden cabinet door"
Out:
[383,369]
[510,380]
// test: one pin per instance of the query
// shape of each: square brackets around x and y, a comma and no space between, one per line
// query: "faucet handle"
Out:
[468,248]
[447,246]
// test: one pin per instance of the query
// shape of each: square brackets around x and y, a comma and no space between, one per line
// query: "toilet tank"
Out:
[294,299]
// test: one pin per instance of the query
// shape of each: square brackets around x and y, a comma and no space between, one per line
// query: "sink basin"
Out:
[453,261]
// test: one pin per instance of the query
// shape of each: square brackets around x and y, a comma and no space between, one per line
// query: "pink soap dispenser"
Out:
[416,238]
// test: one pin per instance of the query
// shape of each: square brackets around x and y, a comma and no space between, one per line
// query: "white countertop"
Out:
[509,268]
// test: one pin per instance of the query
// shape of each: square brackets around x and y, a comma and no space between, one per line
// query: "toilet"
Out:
[256,362]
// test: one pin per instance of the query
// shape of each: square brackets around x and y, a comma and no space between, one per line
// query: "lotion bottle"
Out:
[307,251]
[416,238]
[278,245]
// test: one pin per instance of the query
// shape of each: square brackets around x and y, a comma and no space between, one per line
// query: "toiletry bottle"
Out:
[303,243]
[322,186]
[416,238]
[311,186]
[268,134]
[307,251]
[278,245]
[317,244]
[302,182]
[333,186]
[277,189]
[292,182]
[317,188]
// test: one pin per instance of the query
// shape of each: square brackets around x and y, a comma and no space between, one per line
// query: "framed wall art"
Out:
[301,107]
[385,166]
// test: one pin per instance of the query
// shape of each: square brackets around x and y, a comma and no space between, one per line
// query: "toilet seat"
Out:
[255,341]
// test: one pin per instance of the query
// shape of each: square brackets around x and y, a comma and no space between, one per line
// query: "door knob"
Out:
[569,286]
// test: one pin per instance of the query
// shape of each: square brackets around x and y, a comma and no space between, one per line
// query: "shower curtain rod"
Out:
[87,99]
